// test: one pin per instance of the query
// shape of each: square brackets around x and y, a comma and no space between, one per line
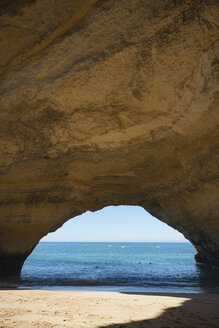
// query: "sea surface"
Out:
[143,267]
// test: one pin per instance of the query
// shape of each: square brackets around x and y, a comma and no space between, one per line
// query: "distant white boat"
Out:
[110,246]
[122,246]
[157,246]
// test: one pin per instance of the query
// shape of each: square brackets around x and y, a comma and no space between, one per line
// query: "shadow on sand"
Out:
[196,312]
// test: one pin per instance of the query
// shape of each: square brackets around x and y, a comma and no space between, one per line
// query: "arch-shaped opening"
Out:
[113,248]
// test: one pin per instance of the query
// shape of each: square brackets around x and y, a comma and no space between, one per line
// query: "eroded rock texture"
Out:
[107,103]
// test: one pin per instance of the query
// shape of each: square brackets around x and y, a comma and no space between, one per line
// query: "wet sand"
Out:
[47,309]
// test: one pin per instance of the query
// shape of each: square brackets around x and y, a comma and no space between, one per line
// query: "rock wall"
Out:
[106,103]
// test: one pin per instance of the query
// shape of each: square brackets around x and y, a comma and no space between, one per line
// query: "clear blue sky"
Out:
[116,223]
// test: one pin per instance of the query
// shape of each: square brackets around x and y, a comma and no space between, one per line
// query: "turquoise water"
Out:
[168,267]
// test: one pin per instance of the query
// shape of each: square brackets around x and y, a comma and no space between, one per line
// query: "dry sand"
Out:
[46,309]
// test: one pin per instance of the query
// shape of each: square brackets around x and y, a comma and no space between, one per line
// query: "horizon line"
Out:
[70,241]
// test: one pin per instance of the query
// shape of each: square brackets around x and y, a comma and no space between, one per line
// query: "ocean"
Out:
[137,267]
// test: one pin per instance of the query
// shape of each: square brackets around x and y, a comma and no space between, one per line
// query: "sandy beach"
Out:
[58,309]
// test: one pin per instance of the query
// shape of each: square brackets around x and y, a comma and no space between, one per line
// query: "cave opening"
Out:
[112,247]
[115,248]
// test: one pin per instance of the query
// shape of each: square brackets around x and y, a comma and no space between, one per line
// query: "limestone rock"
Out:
[107,103]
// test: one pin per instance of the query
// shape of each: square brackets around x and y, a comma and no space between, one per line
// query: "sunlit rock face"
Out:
[108,103]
